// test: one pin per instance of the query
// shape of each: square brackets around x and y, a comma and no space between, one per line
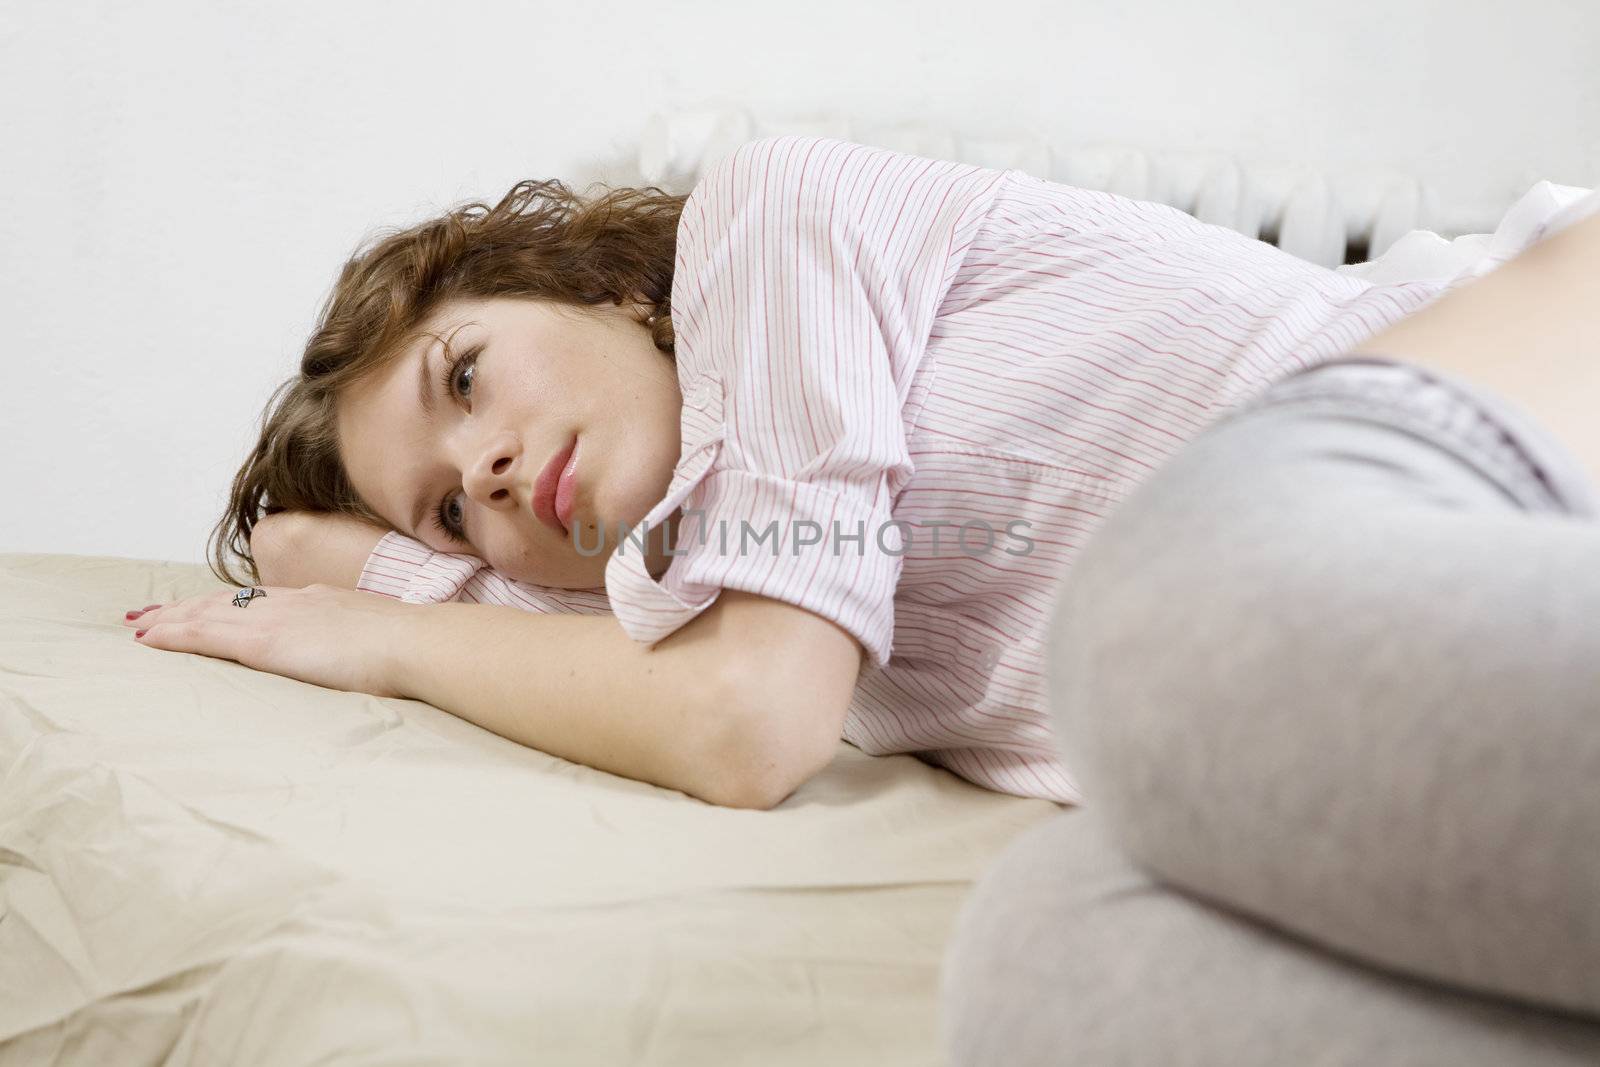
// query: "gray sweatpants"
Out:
[1330,679]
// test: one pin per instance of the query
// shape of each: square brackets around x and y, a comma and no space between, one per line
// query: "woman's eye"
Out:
[447,519]
[460,370]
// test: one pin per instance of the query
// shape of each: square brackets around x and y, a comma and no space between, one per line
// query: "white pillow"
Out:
[1423,255]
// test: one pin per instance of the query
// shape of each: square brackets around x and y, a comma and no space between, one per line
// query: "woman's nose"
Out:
[493,476]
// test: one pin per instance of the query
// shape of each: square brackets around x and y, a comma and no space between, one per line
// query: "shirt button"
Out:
[989,658]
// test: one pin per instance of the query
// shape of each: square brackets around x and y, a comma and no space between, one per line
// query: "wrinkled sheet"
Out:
[205,864]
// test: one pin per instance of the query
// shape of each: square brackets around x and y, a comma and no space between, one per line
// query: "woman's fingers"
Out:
[202,636]
[191,607]
[132,617]
[206,625]
[178,609]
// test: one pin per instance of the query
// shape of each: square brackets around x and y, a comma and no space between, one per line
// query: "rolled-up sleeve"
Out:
[808,277]
[404,568]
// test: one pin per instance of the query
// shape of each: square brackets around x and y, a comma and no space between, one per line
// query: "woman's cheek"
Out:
[506,555]
[495,557]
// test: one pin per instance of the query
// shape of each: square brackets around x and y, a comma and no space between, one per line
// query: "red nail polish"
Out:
[150,607]
[133,615]
[141,633]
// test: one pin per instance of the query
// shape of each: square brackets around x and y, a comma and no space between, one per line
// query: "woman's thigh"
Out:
[1067,952]
[1337,666]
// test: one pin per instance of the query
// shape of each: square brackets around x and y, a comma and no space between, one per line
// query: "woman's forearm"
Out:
[575,686]
[580,688]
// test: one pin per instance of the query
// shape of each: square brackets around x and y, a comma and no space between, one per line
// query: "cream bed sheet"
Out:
[204,864]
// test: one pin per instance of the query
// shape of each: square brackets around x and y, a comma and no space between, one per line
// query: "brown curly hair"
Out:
[541,241]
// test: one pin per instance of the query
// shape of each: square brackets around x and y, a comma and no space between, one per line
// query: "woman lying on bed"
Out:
[656,483]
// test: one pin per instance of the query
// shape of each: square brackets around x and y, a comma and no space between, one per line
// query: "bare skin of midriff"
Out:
[1528,331]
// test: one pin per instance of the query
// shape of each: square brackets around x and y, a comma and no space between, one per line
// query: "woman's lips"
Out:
[567,489]
[547,488]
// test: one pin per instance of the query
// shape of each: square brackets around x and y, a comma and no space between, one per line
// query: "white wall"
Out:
[181,180]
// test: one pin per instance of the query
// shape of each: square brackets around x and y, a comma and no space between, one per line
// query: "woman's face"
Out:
[532,377]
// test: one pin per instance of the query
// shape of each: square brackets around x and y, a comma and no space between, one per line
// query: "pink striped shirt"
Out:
[865,336]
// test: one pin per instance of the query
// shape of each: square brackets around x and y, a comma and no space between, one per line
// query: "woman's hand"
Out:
[337,638]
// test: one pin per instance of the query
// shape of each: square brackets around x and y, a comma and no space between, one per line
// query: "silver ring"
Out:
[242,598]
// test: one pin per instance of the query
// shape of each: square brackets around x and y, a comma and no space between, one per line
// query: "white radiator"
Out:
[1326,219]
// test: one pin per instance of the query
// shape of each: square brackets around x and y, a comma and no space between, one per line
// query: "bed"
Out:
[203,864]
